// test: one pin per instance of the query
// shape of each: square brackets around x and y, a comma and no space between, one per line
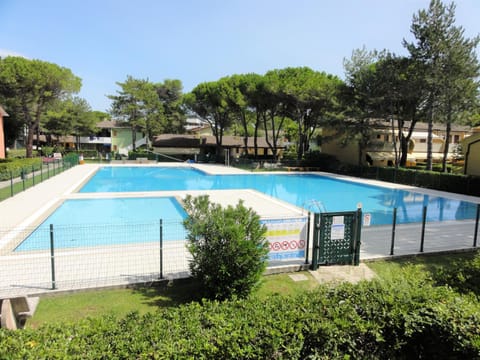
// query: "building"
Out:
[3,114]
[203,147]
[119,136]
[112,136]
[380,150]
[471,150]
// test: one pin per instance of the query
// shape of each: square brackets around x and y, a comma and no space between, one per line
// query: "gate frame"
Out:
[355,240]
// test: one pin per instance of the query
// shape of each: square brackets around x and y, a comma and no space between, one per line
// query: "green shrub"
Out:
[16,153]
[463,276]
[47,150]
[406,318]
[228,247]
[14,167]
[320,160]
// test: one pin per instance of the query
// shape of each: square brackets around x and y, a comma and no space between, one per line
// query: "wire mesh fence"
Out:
[64,257]
[14,182]
[81,256]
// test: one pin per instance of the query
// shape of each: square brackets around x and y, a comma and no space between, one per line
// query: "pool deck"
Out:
[30,207]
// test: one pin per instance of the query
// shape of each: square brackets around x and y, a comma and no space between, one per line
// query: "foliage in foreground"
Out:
[228,247]
[402,319]
[463,276]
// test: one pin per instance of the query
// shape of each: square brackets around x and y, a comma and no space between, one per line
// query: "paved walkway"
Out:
[119,265]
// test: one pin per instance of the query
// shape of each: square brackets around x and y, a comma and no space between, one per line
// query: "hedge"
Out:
[405,319]
[463,184]
[14,167]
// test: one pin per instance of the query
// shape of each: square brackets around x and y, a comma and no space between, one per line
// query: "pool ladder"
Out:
[308,205]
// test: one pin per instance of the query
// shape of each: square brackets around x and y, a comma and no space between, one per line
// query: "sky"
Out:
[104,41]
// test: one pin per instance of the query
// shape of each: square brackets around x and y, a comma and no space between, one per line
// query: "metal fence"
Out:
[49,257]
[27,177]
[418,237]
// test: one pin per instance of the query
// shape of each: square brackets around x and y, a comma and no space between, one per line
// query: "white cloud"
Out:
[7,52]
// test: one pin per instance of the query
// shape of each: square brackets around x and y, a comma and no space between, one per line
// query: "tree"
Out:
[209,100]
[237,100]
[400,86]
[173,117]
[72,116]
[310,98]
[361,98]
[137,104]
[228,247]
[451,66]
[29,86]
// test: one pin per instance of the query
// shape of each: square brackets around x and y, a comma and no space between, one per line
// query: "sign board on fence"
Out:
[367,219]
[287,238]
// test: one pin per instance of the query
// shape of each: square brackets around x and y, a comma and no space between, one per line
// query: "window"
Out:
[423,141]
[456,139]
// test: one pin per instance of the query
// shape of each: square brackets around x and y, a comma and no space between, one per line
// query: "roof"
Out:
[112,124]
[3,112]
[182,141]
[66,139]
[419,126]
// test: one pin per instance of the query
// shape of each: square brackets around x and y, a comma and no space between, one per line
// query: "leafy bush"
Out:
[320,160]
[406,318]
[463,276]
[228,247]
[14,167]
[463,184]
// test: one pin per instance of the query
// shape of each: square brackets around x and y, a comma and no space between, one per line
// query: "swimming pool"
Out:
[310,191]
[111,221]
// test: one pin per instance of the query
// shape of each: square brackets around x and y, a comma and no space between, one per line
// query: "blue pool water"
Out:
[304,190]
[95,222]
[113,221]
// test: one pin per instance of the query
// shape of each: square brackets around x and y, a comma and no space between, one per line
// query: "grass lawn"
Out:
[119,302]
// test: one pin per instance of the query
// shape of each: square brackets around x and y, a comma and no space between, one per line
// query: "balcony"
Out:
[95,140]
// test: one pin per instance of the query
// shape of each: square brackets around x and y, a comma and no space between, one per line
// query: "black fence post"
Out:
[41,171]
[52,257]
[23,175]
[308,238]
[394,224]
[11,183]
[424,220]
[161,249]
[33,175]
[476,226]
[316,226]
[358,236]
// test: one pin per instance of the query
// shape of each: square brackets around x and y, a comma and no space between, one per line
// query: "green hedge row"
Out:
[14,167]
[463,184]
[405,319]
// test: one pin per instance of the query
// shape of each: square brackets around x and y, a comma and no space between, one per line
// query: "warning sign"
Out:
[286,238]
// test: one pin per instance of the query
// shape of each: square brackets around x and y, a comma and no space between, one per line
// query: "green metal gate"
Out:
[336,238]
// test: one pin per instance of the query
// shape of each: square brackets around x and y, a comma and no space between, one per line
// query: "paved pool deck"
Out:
[107,266]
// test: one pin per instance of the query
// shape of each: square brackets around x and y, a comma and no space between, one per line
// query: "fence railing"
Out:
[31,176]
[65,257]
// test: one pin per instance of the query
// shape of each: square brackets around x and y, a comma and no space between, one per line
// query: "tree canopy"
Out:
[28,86]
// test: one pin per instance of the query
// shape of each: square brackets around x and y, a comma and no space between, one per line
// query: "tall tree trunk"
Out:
[29,147]
[446,146]
[429,139]
[394,139]
[134,138]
